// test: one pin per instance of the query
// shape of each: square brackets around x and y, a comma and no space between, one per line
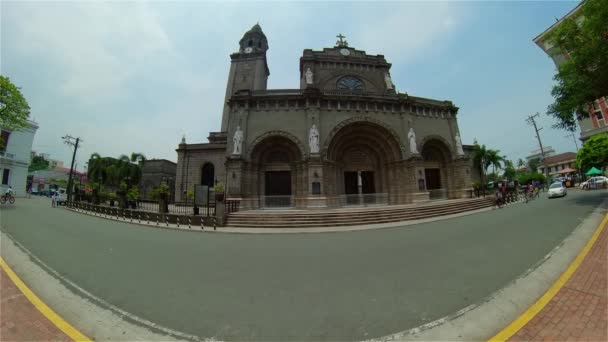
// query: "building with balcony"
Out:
[558,163]
[15,158]
[597,120]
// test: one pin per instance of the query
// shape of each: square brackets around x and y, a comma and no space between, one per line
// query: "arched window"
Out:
[350,83]
[208,175]
[250,43]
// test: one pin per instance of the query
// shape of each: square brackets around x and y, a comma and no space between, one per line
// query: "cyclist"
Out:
[9,192]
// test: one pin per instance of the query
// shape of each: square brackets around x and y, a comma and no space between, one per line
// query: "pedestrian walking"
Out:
[54,199]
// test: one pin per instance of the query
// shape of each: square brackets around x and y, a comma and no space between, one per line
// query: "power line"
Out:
[71,141]
[532,122]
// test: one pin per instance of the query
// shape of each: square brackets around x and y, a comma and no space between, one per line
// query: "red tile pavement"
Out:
[579,310]
[19,318]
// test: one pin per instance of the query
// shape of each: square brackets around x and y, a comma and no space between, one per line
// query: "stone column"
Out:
[417,181]
[315,187]
[460,179]
[234,177]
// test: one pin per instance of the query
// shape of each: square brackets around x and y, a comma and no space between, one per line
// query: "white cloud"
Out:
[97,45]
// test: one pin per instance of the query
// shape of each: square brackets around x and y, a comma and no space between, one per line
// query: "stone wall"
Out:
[190,161]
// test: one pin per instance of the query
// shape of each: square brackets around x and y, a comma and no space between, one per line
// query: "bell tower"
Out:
[248,67]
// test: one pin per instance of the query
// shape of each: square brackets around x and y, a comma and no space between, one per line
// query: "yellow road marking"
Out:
[533,310]
[42,307]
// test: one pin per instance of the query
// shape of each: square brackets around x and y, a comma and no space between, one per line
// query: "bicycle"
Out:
[7,197]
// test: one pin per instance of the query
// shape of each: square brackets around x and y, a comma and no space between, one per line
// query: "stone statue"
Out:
[308,75]
[412,137]
[459,149]
[389,82]
[313,139]
[183,139]
[238,141]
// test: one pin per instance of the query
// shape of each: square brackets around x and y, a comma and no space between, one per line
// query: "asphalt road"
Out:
[327,286]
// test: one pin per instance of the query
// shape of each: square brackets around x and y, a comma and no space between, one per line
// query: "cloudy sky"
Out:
[135,76]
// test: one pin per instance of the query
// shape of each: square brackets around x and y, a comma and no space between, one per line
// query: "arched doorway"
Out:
[360,170]
[208,175]
[437,159]
[275,171]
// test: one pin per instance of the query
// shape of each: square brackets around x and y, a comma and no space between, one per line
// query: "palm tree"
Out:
[494,159]
[480,156]
[521,163]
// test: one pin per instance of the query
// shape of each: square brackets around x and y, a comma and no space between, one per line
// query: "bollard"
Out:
[157,216]
[214,223]
[130,216]
[202,226]
[147,218]
[138,217]
[189,223]
[167,220]
[177,220]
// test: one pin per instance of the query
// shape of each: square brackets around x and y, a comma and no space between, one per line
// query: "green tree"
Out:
[594,153]
[14,110]
[520,163]
[583,76]
[494,159]
[510,171]
[480,156]
[38,163]
[533,164]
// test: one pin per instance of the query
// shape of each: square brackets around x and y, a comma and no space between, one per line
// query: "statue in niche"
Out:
[412,138]
[237,140]
[389,82]
[308,76]
[459,149]
[313,139]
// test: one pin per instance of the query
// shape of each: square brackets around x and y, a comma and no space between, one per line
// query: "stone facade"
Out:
[344,134]
[153,173]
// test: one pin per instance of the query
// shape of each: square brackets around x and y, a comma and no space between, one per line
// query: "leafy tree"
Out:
[38,163]
[583,76]
[594,153]
[480,155]
[510,171]
[533,164]
[111,171]
[520,163]
[14,110]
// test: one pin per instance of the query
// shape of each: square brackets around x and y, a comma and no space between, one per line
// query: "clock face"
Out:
[248,49]
[345,52]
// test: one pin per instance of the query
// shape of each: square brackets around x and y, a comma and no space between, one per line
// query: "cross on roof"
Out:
[341,41]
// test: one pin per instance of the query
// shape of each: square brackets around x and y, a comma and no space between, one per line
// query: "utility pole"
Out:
[532,122]
[69,140]
[573,138]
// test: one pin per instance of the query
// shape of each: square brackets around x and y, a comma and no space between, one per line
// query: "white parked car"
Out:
[60,196]
[595,182]
[557,190]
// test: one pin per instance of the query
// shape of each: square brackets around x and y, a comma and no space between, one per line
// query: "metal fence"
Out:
[276,201]
[438,194]
[363,199]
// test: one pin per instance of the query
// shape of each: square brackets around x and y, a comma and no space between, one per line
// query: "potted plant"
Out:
[162,193]
[133,196]
[112,197]
[122,195]
[219,191]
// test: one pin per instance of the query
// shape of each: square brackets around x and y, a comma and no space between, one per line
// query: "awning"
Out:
[567,170]
[594,172]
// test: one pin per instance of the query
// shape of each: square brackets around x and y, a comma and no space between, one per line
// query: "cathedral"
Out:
[344,137]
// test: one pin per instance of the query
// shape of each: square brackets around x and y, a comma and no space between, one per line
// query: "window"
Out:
[5,174]
[4,137]
[597,111]
[350,83]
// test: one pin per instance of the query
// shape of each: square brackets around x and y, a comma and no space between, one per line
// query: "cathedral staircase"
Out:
[285,218]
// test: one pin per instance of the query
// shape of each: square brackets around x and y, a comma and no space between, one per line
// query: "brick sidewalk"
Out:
[579,311]
[20,320]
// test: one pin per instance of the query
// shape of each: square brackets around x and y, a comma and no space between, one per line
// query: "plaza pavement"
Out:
[352,285]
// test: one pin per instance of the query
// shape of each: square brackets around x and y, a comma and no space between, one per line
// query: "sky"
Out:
[136,76]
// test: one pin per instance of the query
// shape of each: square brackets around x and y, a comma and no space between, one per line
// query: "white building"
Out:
[15,158]
[537,154]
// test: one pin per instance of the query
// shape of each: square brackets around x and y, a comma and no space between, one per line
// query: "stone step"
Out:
[330,215]
[353,211]
[288,221]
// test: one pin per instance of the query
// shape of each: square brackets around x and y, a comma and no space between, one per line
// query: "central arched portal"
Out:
[360,155]
[275,170]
